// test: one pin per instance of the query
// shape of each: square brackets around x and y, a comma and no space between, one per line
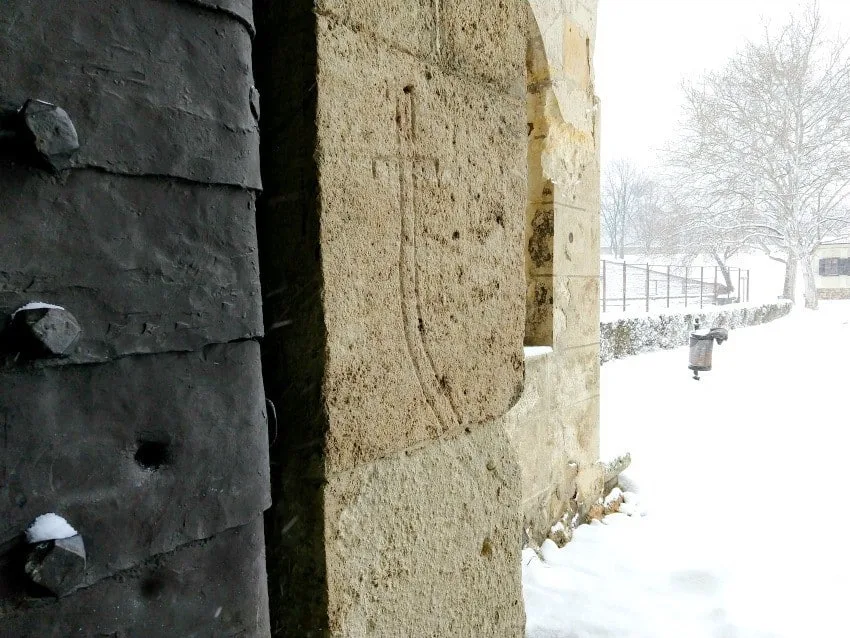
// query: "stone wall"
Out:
[430,207]
[147,433]
[554,428]
[647,332]
[833,293]
[392,249]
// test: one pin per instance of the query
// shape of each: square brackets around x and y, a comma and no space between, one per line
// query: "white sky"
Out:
[645,47]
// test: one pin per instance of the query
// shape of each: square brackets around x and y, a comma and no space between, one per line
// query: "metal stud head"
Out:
[58,565]
[47,331]
[52,133]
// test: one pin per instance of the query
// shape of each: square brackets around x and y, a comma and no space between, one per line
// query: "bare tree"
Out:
[622,186]
[651,225]
[765,142]
[709,227]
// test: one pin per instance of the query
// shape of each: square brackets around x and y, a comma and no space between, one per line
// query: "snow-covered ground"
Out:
[742,477]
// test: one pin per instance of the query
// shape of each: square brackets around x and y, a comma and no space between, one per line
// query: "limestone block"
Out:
[576,374]
[576,60]
[540,231]
[589,485]
[581,437]
[158,121]
[538,71]
[215,587]
[537,391]
[410,25]
[540,187]
[487,39]
[142,454]
[422,182]
[144,265]
[535,432]
[577,314]
[568,155]
[427,543]
[563,25]
[579,257]
[539,311]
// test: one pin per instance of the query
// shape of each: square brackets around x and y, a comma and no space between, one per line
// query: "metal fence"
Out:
[646,286]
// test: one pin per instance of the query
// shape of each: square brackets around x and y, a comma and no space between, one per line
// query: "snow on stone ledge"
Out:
[49,527]
[633,333]
[536,351]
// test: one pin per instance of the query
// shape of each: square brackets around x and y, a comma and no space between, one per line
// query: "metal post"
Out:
[748,285]
[604,286]
[715,285]
[647,287]
[668,286]
[624,286]
[701,274]
[740,299]
[686,286]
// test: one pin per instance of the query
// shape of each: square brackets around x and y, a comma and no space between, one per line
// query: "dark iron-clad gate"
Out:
[147,430]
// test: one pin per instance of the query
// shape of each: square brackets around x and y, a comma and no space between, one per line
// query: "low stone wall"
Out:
[833,293]
[634,334]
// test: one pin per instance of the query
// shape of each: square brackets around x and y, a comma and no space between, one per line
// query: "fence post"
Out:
[604,286]
[715,285]
[647,287]
[701,274]
[686,286]
[668,285]
[748,285]
[739,286]
[624,286]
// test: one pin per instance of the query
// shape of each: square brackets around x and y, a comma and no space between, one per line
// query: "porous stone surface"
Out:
[392,255]
[427,542]
[422,201]
[647,332]
[554,427]
[833,293]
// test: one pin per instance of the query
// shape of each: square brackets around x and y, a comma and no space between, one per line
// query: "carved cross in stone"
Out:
[434,386]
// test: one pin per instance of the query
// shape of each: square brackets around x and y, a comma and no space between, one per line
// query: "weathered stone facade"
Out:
[429,207]
[395,342]
[833,293]
[555,426]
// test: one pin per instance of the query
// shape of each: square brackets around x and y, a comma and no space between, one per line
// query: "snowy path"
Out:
[743,479]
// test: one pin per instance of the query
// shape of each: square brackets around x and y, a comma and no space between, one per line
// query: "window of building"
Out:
[834,267]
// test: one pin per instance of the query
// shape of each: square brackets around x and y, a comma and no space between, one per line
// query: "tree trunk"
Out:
[727,277]
[811,293]
[790,284]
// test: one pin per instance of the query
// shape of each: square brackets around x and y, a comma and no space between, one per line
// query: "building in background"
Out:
[832,270]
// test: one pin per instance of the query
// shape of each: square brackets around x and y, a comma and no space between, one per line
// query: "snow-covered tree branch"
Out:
[762,157]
